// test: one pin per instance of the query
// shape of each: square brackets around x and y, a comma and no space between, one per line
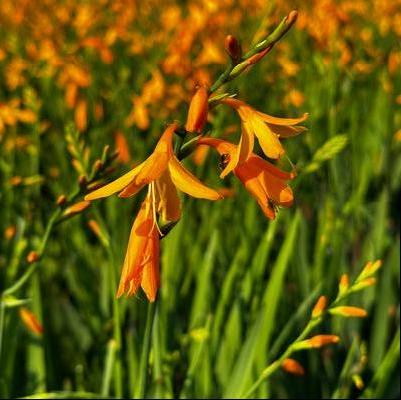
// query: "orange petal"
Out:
[252,180]
[220,145]
[242,151]
[189,183]
[167,201]
[150,275]
[268,141]
[139,236]
[286,131]
[115,186]
[282,121]
[270,168]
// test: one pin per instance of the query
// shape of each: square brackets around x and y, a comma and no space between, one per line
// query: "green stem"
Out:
[42,247]
[275,365]
[143,366]
[2,315]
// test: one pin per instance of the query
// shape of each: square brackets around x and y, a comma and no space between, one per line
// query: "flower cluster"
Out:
[162,173]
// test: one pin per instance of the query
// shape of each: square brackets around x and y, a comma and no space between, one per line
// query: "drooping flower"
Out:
[266,128]
[266,183]
[141,263]
[163,168]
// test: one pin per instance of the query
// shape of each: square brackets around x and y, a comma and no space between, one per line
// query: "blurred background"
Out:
[236,288]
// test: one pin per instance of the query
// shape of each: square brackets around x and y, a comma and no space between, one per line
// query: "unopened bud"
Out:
[32,257]
[233,48]
[369,269]
[98,165]
[291,18]
[343,285]
[293,367]
[320,306]
[197,113]
[316,342]
[76,208]
[30,321]
[348,311]
[82,181]
[61,200]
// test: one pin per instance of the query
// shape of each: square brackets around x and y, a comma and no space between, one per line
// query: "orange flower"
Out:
[164,170]
[321,340]
[197,114]
[141,263]
[266,128]
[266,183]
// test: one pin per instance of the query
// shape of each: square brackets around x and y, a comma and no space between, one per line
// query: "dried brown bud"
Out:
[98,165]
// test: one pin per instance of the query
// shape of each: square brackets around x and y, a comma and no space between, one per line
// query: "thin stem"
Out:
[2,315]
[144,361]
[33,267]
[275,365]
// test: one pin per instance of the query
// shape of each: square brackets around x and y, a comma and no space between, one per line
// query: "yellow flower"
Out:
[266,183]
[266,128]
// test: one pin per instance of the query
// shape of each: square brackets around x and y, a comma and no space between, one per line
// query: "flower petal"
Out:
[150,275]
[115,186]
[268,141]
[242,151]
[189,183]
[286,131]
[252,179]
[133,263]
[168,203]
[282,121]
[156,163]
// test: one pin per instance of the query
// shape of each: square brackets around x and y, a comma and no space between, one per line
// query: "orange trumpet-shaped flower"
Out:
[266,128]
[163,168]
[141,263]
[197,113]
[266,183]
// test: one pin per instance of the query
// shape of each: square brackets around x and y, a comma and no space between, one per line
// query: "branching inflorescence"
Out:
[162,172]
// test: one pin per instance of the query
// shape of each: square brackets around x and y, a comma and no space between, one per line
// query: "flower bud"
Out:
[348,311]
[316,342]
[233,48]
[197,114]
[76,208]
[30,321]
[32,257]
[61,200]
[319,307]
[293,367]
[343,285]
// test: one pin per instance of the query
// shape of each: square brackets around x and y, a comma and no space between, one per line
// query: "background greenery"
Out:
[236,288]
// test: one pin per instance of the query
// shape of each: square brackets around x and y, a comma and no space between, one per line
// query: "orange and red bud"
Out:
[233,48]
[293,367]
[197,114]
